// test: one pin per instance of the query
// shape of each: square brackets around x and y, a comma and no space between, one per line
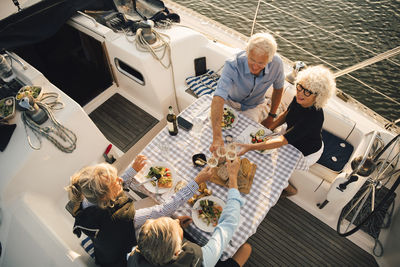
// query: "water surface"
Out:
[339,33]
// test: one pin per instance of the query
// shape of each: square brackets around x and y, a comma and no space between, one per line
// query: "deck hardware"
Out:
[343,186]
[108,159]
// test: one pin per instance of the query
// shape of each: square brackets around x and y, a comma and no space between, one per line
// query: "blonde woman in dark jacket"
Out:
[103,212]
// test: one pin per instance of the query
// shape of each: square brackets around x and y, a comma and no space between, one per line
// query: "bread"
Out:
[245,167]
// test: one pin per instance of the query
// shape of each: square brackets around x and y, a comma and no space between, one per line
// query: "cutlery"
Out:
[145,182]
[185,209]
[157,187]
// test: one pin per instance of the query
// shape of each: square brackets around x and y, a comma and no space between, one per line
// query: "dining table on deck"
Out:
[271,176]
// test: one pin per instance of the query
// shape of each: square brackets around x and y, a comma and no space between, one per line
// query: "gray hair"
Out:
[262,43]
[319,80]
[93,183]
[158,241]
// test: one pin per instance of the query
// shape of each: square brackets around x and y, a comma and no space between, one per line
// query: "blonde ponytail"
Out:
[93,183]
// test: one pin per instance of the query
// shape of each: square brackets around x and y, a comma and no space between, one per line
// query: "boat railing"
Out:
[343,73]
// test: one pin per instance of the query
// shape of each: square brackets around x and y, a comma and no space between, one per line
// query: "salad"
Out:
[29,90]
[163,174]
[228,117]
[210,212]
[258,137]
[6,108]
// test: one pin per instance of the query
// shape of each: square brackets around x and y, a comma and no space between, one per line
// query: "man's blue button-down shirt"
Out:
[237,83]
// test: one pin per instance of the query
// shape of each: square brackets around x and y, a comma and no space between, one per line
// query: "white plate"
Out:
[150,186]
[251,129]
[195,213]
[234,113]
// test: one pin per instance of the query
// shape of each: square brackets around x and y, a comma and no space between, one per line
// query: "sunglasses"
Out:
[306,92]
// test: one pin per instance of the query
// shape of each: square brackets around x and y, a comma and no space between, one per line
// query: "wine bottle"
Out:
[171,122]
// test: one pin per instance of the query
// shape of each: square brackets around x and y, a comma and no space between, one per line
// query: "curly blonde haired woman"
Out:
[103,212]
[304,117]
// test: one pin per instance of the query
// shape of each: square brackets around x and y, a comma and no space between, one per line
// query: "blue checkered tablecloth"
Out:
[272,174]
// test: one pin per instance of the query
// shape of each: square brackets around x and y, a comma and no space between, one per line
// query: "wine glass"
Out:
[231,151]
[197,126]
[231,155]
[212,161]
[221,151]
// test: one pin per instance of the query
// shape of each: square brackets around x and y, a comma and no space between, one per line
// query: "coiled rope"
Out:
[62,137]
[162,45]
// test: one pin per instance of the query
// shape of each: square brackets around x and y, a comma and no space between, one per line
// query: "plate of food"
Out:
[254,135]
[229,118]
[206,212]
[166,173]
[7,108]
[35,91]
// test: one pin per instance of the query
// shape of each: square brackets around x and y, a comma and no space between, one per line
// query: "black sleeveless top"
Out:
[304,127]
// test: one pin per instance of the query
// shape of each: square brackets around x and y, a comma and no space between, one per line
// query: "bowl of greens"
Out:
[7,108]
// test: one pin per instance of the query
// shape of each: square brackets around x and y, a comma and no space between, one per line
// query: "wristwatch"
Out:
[272,115]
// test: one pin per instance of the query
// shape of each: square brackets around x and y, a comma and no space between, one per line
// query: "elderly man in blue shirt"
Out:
[245,81]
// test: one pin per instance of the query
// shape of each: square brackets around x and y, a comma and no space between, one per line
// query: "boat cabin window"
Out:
[73,61]
[129,71]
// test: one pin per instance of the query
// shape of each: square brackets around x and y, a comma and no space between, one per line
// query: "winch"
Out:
[26,98]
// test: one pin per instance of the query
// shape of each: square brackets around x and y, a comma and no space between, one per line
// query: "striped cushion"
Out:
[87,245]
[203,84]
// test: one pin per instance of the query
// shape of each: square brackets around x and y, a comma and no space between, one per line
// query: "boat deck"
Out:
[290,236]
[136,122]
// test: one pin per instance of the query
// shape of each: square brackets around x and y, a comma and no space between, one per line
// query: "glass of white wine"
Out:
[221,151]
[231,154]
[212,161]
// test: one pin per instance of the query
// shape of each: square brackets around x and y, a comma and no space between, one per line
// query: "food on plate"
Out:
[28,90]
[259,137]
[165,180]
[200,162]
[228,117]
[209,212]
[6,107]
[180,185]
[204,191]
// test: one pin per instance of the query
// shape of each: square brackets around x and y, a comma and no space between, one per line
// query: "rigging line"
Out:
[322,29]
[369,61]
[302,49]
[373,89]
[277,34]
[255,18]
[307,52]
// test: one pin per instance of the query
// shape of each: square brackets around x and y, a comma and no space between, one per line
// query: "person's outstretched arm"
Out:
[228,222]
[217,106]
[177,200]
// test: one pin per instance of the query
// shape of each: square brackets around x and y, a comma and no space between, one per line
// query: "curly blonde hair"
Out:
[94,183]
[262,43]
[319,80]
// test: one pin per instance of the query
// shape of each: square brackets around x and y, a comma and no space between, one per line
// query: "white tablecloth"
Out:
[272,174]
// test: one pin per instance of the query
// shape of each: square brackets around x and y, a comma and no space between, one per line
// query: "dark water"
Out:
[373,25]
